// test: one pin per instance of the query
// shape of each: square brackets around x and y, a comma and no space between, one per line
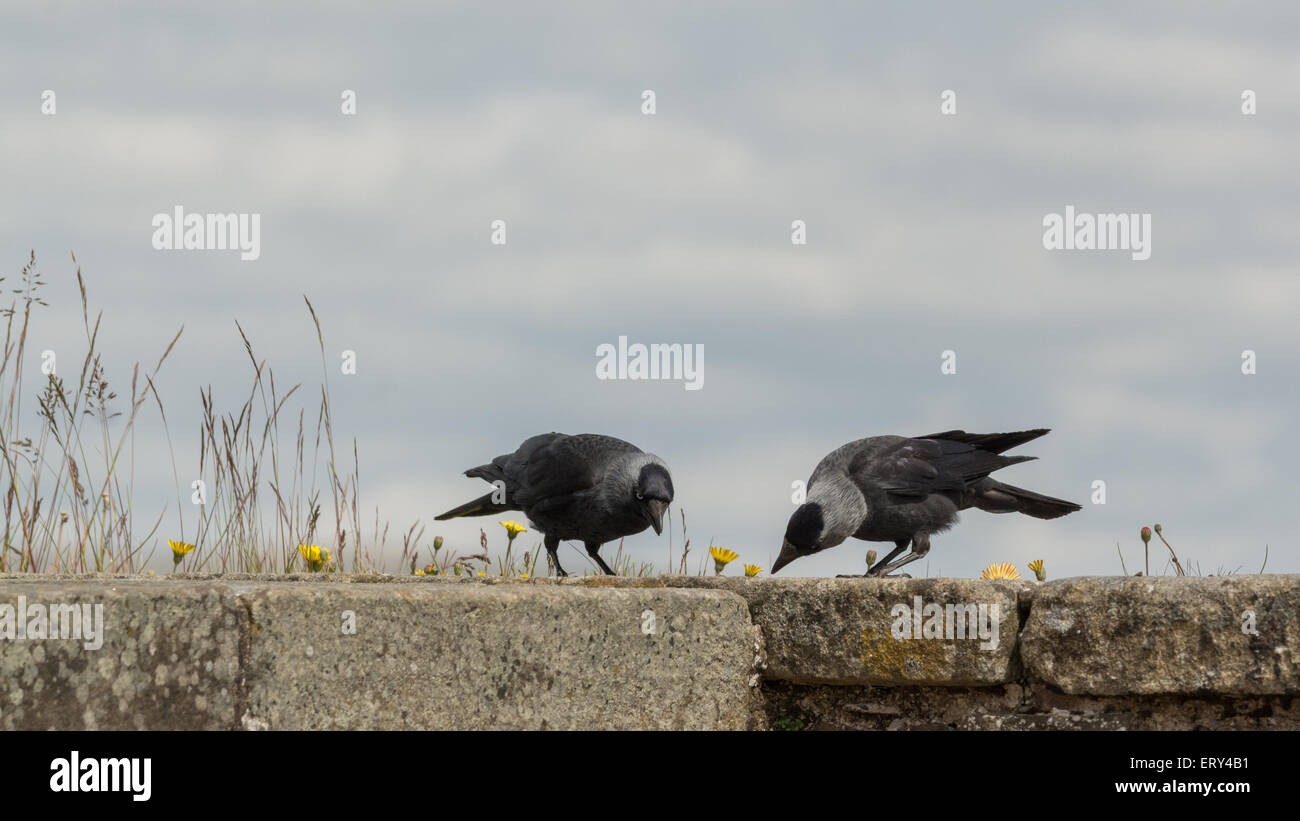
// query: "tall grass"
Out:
[69,502]
[242,529]
[68,490]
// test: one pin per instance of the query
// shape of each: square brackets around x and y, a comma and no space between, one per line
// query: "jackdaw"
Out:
[588,487]
[901,490]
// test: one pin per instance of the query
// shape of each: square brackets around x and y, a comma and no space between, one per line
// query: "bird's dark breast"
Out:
[608,527]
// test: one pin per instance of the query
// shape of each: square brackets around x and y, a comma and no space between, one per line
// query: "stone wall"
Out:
[297,652]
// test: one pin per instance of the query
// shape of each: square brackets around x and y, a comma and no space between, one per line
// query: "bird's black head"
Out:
[803,535]
[654,492]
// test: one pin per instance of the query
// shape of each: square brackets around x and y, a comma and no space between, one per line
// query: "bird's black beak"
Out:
[788,554]
[655,512]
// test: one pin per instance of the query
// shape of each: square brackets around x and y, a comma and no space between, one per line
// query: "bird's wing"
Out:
[915,468]
[562,466]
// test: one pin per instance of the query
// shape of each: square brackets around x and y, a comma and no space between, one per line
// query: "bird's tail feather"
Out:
[1003,498]
[992,442]
[482,506]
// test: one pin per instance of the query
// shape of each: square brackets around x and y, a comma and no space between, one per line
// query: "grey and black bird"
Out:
[588,487]
[903,490]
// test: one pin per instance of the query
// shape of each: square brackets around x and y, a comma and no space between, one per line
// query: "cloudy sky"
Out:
[924,234]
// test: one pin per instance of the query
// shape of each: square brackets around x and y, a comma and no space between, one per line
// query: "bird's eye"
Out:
[639,495]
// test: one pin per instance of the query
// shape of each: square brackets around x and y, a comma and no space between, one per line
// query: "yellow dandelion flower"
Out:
[1037,566]
[179,549]
[481,573]
[513,529]
[721,554]
[721,558]
[752,570]
[419,572]
[314,556]
[1001,570]
[524,576]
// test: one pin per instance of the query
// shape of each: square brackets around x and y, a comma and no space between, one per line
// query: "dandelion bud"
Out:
[1039,573]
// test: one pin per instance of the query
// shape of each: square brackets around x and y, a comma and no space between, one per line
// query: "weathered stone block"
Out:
[870,631]
[503,656]
[1192,635]
[167,655]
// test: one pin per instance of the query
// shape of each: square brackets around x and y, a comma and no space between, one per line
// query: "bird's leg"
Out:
[899,546]
[593,550]
[552,546]
[920,546]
